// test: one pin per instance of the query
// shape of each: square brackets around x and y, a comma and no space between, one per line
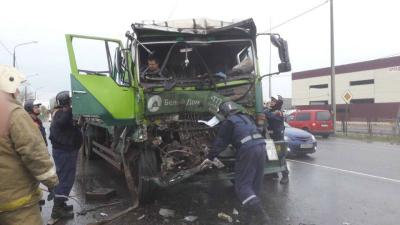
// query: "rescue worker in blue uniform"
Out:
[66,140]
[276,128]
[33,108]
[240,130]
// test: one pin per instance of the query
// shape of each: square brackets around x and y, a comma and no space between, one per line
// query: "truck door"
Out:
[101,81]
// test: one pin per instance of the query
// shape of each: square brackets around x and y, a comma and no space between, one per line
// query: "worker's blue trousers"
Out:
[249,172]
[65,161]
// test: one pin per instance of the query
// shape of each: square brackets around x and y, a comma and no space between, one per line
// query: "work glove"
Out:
[208,163]
[51,194]
[217,163]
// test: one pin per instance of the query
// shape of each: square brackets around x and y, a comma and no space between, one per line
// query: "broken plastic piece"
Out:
[225,217]
[190,218]
[167,213]
[235,212]
[211,123]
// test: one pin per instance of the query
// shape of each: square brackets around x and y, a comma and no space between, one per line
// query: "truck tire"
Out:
[147,167]
[88,146]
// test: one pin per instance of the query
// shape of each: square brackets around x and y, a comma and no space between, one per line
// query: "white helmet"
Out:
[10,79]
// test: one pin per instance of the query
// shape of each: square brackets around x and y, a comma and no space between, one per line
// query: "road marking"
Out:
[346,171]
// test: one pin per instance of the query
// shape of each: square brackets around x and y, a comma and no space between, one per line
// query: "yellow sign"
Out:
[347,97]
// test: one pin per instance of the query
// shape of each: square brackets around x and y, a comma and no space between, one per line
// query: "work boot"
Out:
[275,176]
[67,207]
[260,217]
[254,214]
[59,212]
[285,178]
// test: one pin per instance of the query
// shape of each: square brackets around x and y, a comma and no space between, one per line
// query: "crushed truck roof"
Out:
[195,27]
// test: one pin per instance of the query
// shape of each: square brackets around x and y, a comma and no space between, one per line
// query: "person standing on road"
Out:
[33,108]
[66,139]
[25,161]
[276,128]
[240,130]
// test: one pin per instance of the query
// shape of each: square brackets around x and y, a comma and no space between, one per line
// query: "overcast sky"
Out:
[363,30]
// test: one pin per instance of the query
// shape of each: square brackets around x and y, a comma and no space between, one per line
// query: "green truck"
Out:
[157,127]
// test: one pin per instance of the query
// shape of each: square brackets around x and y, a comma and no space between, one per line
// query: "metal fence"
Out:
[385,127]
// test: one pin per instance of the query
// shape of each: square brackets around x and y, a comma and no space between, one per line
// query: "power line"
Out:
[5,48]
[173,9]
[299,15]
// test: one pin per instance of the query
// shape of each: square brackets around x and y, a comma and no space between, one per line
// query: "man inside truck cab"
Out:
[240,130]
[152,70]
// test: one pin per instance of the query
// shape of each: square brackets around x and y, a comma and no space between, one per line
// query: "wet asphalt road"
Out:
[345,182]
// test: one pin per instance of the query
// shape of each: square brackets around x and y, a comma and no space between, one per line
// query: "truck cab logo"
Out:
[154,103]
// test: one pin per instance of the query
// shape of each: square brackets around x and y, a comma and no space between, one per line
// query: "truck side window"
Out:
[91,57]
[98,57]
[303,116]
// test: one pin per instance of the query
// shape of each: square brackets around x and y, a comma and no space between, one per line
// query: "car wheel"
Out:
[301,154]
[325,136]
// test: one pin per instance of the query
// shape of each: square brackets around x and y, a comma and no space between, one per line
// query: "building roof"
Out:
[348,68]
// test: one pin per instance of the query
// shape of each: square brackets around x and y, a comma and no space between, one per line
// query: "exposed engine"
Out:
[183,141]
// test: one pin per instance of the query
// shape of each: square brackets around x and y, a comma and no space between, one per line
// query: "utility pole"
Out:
[333,92]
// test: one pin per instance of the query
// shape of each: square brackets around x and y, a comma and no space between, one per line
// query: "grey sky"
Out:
[363,30]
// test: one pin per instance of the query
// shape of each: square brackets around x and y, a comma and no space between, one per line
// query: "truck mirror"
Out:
[119,60]
[133,50]
[282,46]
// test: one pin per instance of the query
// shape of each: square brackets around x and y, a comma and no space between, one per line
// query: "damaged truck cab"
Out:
[156,123]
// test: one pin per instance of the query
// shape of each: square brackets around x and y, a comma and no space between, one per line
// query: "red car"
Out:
[317,122]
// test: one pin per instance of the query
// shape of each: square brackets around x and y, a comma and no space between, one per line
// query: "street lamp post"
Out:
[36,91]
[21,44]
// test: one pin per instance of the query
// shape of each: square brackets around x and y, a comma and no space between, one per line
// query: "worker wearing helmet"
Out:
[239,129]
[276,127]
[66,139]
[25,161]
[33,108]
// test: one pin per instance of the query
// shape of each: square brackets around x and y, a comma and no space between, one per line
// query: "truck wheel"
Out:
[88,144]
[147,167]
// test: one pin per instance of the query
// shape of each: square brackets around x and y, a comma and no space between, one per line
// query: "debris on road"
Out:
[85,211]
[103,214]
[225,217]
[190,218]
[346,223]
[141,217]
[101,194]
[235,212]
[167,213]
[114,217]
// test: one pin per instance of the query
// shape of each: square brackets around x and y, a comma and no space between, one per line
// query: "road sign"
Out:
[347,97]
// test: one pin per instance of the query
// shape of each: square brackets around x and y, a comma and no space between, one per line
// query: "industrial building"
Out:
[373,85]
